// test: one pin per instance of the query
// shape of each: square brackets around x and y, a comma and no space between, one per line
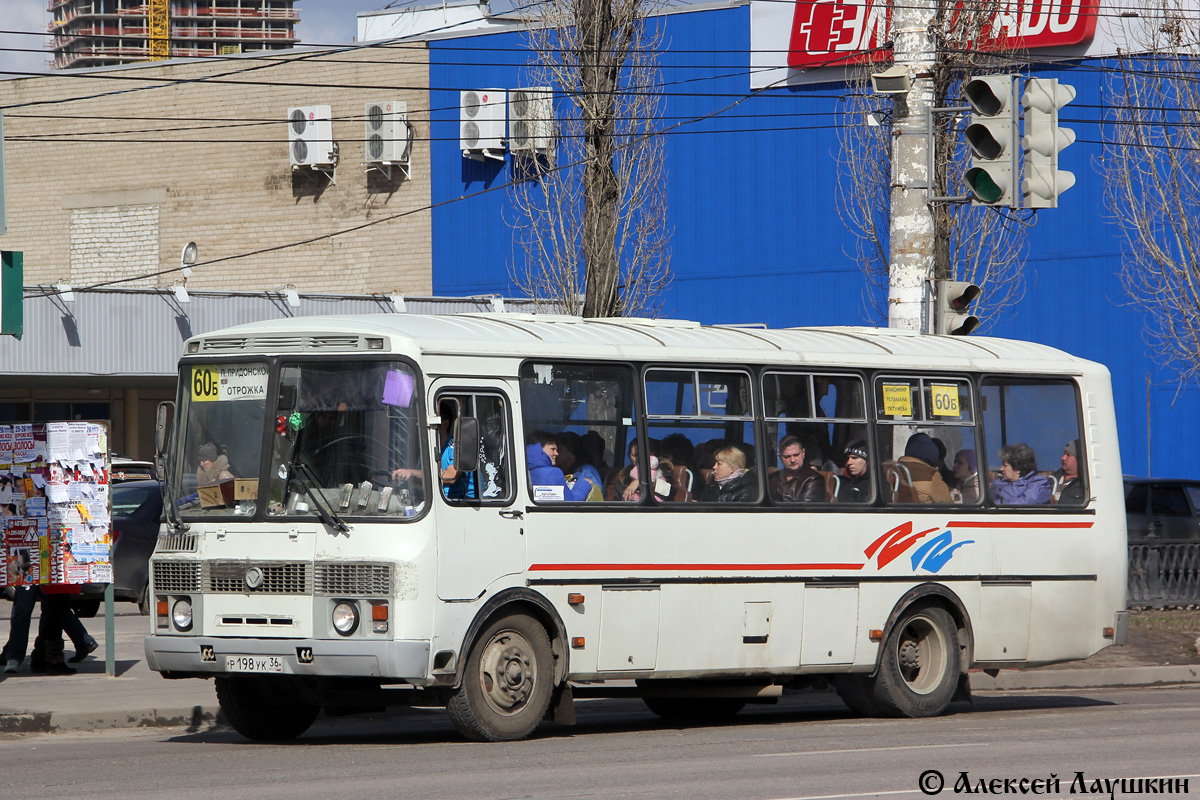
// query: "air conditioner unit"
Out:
[387,135]
[531,119]
[481,123]
[310,137]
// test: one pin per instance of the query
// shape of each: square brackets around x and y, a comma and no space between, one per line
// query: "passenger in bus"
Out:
[618,481]
[946,472]
[1019,483]
[456,485]
[920,457]
[573,459]
[1070,486]
[731,481]
[797,482]
[214,466]
[855,485]
[548,481]
[966,476]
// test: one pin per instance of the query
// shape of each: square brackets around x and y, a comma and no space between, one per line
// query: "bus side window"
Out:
[1034,453]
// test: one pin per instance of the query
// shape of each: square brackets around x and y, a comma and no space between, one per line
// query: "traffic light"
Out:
[1043,141]
[953,300]
[992,135]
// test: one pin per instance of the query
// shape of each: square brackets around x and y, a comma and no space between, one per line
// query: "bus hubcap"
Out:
[507,671]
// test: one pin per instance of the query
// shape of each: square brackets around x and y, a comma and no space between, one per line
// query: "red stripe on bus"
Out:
[705,567]
[1019,524]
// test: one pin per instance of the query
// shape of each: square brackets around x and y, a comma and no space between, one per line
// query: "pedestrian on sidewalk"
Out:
[58,617]
[13,654]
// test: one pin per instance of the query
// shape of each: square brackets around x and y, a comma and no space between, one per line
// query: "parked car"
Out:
[127,469]
[1162,510]
[136,513]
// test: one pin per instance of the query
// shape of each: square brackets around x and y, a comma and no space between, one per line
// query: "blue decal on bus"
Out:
[934,554]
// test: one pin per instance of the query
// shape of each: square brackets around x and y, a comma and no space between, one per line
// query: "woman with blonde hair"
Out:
[731,482]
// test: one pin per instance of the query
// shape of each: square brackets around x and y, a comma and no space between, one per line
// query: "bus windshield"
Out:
[348,432]
[223,414]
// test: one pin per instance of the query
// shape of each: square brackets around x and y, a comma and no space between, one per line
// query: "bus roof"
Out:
[543,335]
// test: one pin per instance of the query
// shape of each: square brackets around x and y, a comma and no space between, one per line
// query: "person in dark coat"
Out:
[855,484]
[1070,484]
[731,481]
[797,482]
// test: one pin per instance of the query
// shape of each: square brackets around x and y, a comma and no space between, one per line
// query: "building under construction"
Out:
[97,33]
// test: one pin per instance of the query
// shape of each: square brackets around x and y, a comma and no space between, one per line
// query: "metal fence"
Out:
[1164,575]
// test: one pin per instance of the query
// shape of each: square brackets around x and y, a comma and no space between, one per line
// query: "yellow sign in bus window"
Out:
[206,384]
[944,400]
[897,399]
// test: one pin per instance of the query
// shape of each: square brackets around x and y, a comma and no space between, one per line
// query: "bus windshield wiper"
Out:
[327,514]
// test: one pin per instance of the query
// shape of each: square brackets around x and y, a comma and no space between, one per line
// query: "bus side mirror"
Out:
[162,426]
[466,444]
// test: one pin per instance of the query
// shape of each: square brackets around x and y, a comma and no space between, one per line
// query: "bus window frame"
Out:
[1050,508]
[274,368]
[493,390]
[639,434]
[973,382]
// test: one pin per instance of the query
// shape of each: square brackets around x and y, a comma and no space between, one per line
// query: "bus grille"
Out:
[277,577]
[177,543]
[337,578]
[176,576]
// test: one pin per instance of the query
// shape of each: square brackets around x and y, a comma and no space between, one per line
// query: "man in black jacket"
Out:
[797,482]
[855,486]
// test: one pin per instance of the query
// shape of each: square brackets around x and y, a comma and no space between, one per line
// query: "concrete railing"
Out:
[1163,575]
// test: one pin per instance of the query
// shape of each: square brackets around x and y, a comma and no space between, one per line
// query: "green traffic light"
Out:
[981,183]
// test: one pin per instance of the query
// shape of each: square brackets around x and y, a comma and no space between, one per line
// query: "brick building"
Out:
[112,171]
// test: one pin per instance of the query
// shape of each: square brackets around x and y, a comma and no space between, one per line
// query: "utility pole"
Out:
[912,229]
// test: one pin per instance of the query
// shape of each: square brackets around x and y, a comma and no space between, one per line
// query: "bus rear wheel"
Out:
[507,683]
[919,670]
[264,709]
[695,709]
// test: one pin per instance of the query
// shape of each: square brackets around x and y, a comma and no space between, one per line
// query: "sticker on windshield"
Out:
[230,382]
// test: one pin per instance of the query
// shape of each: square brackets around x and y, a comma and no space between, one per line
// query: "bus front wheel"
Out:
[919,670]
[507,682]
[264,709]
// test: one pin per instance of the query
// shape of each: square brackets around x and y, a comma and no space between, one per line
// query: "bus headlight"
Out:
[345,618]
[181,614]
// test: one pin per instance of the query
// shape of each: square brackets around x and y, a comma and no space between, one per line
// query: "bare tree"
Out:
[592,212]
[1152,174]
[983,245]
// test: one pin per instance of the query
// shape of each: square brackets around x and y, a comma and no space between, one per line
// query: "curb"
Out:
[1085,678]
[194,719]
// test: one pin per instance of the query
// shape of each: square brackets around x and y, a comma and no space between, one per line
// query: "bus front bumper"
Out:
[210,656]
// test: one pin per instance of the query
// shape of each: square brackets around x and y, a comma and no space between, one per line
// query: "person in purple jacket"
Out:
[1019,483]
[548,481]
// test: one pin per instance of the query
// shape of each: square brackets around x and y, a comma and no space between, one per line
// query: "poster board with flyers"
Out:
[56,504]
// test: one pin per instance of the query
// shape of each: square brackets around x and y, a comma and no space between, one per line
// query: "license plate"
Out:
[253,664]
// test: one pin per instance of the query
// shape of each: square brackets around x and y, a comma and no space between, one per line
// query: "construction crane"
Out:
[160,29]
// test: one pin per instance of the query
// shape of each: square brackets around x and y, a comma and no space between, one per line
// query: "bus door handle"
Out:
[511,513]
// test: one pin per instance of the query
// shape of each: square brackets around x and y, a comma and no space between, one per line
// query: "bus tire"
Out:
[507,682]
[264,709]
[918,672]
[695,709]
[857,692]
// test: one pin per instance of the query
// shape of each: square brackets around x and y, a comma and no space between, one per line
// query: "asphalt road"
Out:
[806,747]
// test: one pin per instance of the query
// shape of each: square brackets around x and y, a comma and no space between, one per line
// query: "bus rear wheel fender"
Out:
[920,665]
[508,681]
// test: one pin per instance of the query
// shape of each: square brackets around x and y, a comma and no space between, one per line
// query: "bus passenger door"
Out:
[479,537]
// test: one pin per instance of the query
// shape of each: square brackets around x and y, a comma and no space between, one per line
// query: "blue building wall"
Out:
[757,237]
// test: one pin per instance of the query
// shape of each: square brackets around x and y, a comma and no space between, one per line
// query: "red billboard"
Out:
[839,32]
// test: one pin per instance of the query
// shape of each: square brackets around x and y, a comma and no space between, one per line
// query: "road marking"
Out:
[856,794]
[869,750]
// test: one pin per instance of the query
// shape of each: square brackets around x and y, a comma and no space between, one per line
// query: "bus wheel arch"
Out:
[507,684]
[518,600]
[937,594]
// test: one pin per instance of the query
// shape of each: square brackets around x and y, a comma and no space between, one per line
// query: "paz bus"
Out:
[502,513]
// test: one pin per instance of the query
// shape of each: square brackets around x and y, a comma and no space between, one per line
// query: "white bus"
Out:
[501,513]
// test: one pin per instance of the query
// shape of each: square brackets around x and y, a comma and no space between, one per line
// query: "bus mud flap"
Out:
[963,692]
[562,705]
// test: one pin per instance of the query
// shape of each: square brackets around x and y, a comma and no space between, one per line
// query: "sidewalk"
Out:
[138,697]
